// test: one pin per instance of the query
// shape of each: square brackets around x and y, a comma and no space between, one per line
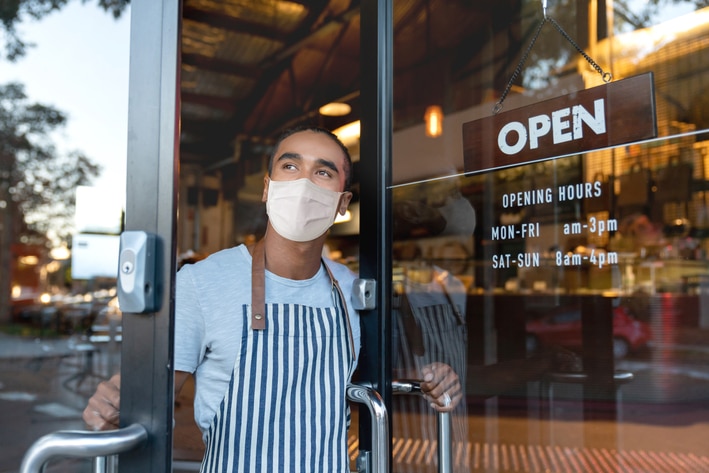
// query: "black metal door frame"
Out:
[376,45]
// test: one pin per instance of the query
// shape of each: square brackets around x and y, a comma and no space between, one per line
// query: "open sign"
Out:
[611,114]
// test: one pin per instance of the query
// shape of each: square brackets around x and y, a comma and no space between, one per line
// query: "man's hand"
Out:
[441,387]
[103,409]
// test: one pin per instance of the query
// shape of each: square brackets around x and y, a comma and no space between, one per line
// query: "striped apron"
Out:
[286,406]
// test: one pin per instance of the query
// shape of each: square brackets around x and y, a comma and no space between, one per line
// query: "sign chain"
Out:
[607,76]
[518,69]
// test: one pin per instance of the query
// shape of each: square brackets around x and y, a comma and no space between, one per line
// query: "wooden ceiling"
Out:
[251,68]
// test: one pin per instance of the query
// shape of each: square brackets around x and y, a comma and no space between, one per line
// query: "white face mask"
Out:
[300,210]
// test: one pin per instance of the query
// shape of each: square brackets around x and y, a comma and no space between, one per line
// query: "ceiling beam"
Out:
[298,42]
[274,66]
[220,66]
[230,23]
[225,104]
[282,59]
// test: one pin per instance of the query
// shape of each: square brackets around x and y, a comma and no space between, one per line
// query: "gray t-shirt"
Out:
[210,296]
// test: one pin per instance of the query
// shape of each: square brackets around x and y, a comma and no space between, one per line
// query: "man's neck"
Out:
[291,259]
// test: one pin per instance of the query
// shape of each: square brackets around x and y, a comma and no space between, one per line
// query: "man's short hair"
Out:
[315,129]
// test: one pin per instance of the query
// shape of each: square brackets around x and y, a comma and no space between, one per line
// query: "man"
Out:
[272,365]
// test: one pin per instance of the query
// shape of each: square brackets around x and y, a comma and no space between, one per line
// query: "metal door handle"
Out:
[445,444]
[380,426]
[83,444]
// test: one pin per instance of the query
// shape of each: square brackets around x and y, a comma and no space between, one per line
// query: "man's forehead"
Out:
[311,144]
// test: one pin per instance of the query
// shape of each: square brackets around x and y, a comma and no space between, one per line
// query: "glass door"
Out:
[145,276]
[569,292]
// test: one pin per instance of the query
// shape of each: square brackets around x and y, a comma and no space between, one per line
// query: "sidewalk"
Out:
[41,391]
[15,347]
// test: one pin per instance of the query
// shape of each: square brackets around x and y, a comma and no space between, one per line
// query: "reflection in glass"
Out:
[429,309]
[586,325]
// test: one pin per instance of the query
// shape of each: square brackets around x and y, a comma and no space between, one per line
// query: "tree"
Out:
[628,19]
[37,183]
[13,12]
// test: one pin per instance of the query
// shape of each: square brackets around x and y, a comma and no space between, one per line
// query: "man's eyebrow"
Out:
[289,155]
[328,164]
[321,161]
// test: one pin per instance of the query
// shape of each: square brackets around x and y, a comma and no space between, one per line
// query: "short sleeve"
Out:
[189,323]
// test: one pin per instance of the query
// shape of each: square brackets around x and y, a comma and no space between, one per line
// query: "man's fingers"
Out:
[100,415]
[103,409]
[441,386]
[440,380]
[447,401]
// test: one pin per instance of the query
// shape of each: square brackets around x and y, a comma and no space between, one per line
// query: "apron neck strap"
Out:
[258,292]
[343,304]
[258,287]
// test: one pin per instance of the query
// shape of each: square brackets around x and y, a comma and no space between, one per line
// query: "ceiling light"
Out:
[434,121]
[348,134]
[335,109]
[343,218]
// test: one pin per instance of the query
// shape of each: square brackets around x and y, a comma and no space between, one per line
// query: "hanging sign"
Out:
[611,114]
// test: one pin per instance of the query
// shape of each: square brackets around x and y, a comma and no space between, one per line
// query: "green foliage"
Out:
[13,12]
[40,181]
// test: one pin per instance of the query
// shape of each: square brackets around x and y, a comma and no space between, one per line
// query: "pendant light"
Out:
[434,121]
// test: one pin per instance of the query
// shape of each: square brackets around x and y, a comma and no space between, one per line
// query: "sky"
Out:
[80,66]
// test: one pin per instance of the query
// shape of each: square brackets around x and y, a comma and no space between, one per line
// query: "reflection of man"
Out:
[458,213]
[429,329]
[432,211]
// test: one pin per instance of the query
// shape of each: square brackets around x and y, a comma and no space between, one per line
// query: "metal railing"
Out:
[101,446]
[445,444]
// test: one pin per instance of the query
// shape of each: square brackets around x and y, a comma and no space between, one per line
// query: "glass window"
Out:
[570,292]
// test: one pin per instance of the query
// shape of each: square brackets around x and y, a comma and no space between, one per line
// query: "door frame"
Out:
[376,44]
[151,194]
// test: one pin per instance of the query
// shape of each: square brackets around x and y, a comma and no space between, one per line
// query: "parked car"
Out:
[563,328]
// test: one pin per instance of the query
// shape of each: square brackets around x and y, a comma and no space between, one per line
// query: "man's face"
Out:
[311,155]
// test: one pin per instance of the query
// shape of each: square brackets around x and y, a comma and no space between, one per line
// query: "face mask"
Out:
[300,210]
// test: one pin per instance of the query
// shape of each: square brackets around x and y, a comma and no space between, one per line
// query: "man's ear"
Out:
[344,202]
[266,180]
